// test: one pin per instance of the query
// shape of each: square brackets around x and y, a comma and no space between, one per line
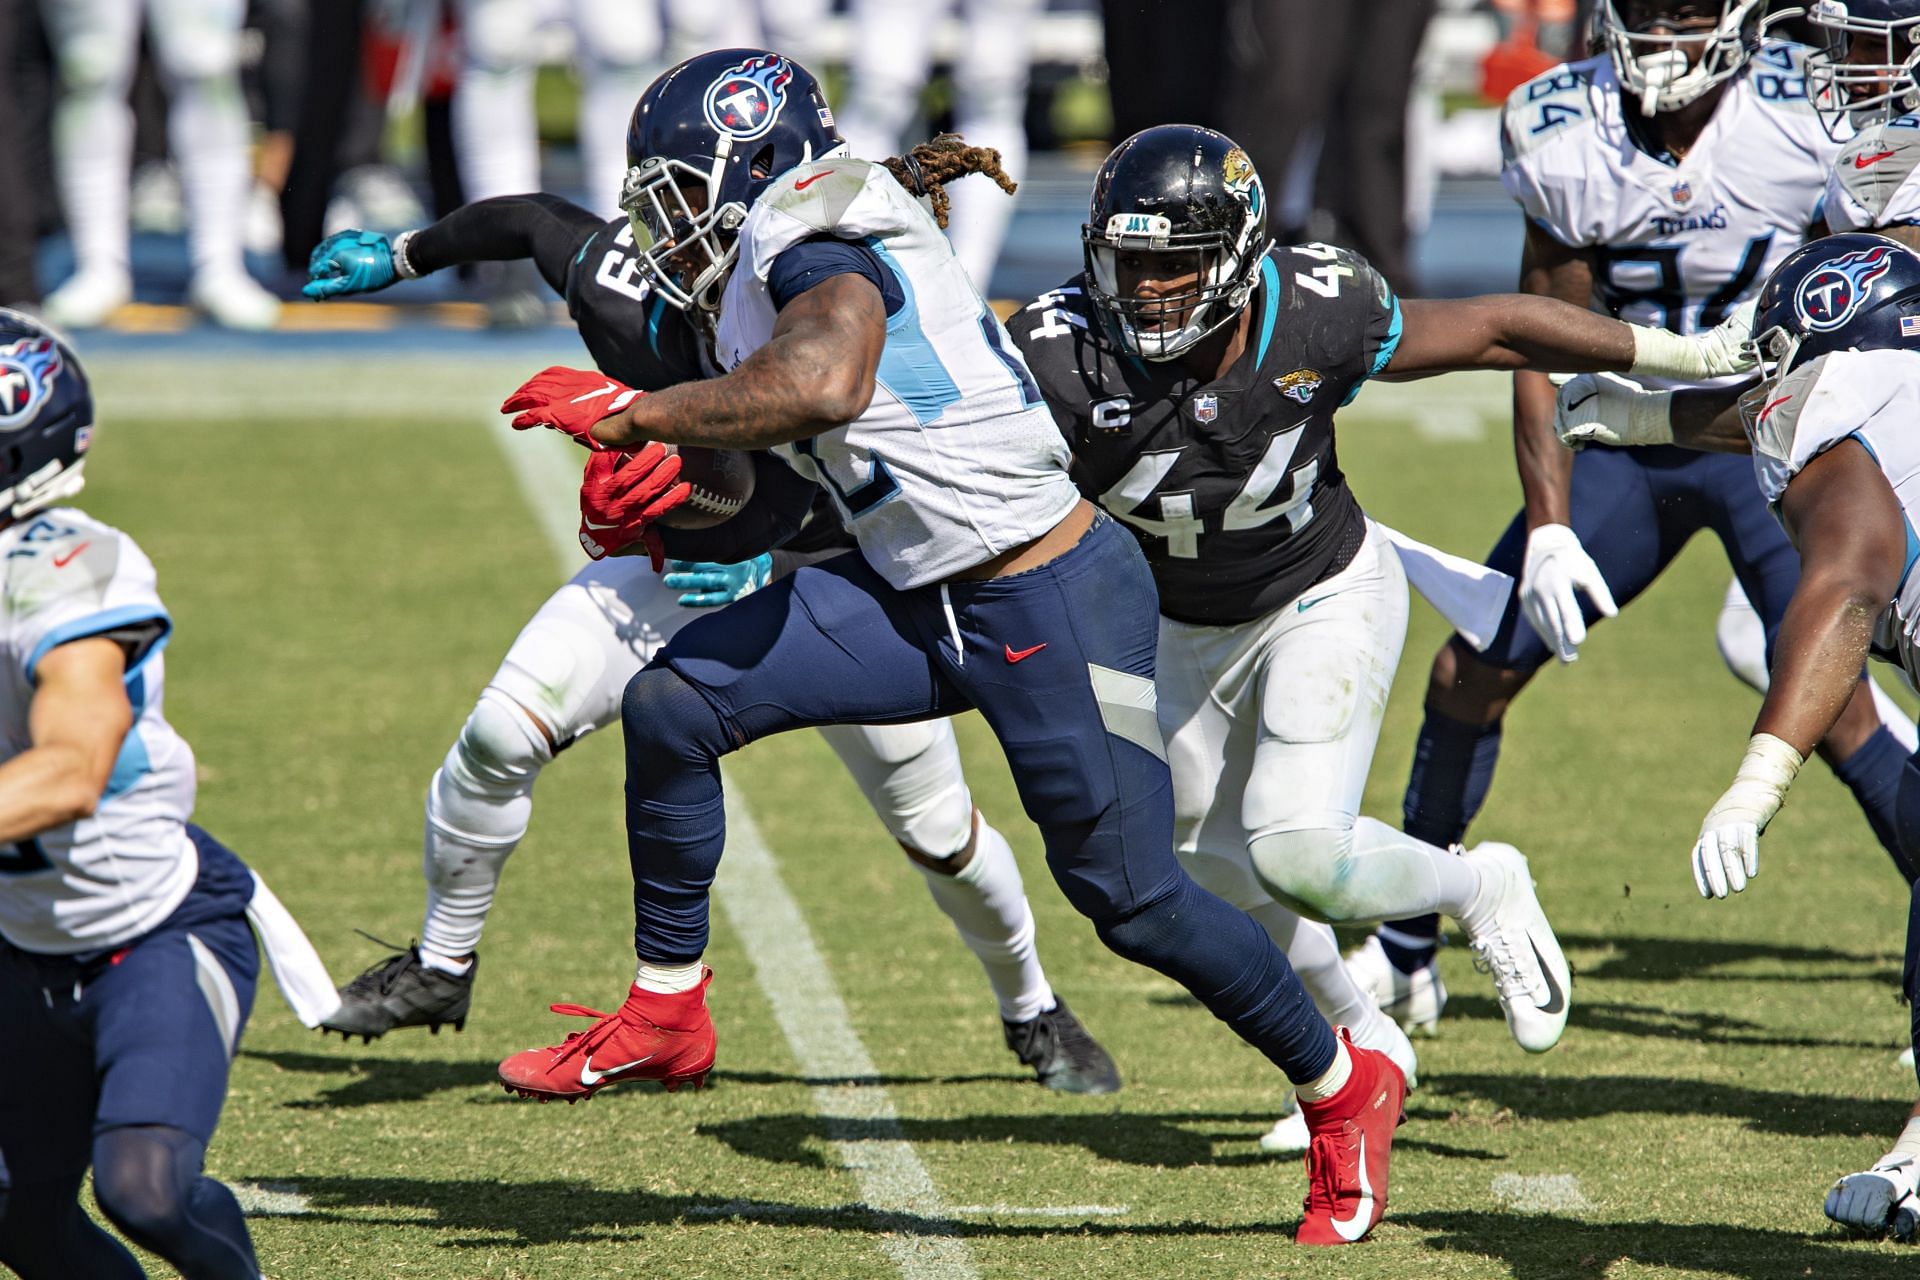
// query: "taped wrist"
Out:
[402,265]
[1759,784]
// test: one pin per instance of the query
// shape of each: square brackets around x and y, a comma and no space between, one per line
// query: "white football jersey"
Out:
[1874,396]
[1874,183]
[957,459]
[1676,245]
[106,879]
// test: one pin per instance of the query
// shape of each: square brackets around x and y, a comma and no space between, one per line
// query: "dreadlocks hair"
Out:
[925,170]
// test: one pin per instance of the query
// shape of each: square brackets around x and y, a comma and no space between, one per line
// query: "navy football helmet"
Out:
[705,140]
[1175,188]
[1862,69]
[1852,292]
[46,417]
[1662,68]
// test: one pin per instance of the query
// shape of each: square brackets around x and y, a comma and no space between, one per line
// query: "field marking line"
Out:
[863,1127]
[270,1199]
[1540,1193]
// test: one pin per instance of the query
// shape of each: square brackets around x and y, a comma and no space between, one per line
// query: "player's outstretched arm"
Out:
[77,720]
[546,228]
[816,373]
[1851,534]
[1517,331]
[1604,408]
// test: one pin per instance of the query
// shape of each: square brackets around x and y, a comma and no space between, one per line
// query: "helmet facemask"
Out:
[1667,71]
[1775,354]
[685,252]
[1165,326]
[1863,92]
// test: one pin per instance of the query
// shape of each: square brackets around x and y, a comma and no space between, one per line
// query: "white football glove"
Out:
[1557,566]
[1882,1198]
[1727,854]
[1718,353]
[1605,408]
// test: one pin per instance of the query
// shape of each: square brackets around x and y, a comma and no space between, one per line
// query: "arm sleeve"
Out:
[781,498]
[545,228]
[819,258]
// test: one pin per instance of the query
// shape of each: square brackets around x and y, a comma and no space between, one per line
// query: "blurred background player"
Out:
[564,675]
[127,967]
[1831,430]
[1661,180]
[196,46]
[891,58]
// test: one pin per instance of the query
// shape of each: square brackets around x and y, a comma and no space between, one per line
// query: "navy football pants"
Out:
[1059,661]
[119,1060]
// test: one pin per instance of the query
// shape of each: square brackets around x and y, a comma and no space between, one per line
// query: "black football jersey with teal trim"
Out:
[1232,486]
[631,332]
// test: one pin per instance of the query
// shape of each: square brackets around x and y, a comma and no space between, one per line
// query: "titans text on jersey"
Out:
[1233,486]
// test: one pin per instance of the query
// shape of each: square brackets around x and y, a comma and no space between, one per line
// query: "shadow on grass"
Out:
[1542,1247]
[1657,1022]
[378,1080]
[1644,959]
[1799,1115]
[528,1213]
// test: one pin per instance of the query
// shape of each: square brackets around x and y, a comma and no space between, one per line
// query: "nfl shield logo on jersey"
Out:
[1299,385]
[745,101]
[1206,407]
[1834,290]
[27,370]
[1682,192]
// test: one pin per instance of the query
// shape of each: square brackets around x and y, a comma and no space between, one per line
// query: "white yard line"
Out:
[1540,1193]
[919,1235]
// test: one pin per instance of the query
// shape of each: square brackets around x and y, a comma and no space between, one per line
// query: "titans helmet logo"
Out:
[1830,294]
[746,100]
[28,369]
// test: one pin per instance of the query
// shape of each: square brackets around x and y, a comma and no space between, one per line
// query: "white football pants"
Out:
[892,52]
[196,45]
[565,676]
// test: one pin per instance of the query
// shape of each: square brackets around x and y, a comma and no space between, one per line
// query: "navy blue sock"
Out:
[676,816]
[1223,957]
[1910,972]
[1872,773]
[1453,765]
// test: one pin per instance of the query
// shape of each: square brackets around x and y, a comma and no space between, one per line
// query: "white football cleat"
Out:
[233,299]
[1883,1198]
[1289,1136]
[1515,944]
[88,298]
[1414,1000]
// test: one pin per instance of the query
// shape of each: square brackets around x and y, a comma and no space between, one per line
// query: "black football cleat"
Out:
[1061,1052]
[402,992]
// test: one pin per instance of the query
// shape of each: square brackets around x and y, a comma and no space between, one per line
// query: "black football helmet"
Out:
[1851,292]
[724,124]
[46,417]
[1175,188]
[1863,68]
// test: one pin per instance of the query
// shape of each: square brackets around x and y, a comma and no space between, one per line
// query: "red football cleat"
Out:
[650,1037]
[1352,1140]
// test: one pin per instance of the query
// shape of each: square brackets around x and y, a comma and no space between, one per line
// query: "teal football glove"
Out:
[707,586]
[348,262]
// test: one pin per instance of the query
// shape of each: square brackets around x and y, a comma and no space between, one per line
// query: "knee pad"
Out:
[142,1178]
[497,35]
[1308,871]
[915,784]
[95,63]
[501,748]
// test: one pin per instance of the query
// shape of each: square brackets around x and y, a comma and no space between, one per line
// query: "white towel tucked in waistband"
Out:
[303,980]
[1467,594]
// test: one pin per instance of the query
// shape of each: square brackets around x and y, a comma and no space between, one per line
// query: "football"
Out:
[722,481]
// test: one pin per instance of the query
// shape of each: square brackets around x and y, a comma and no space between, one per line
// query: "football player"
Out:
[859,353]
[1661,181]
[562,678]
[1194,369]
[1831,431]
[127,967]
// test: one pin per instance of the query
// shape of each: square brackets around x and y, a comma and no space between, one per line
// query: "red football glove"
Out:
[568,400]
[623,493]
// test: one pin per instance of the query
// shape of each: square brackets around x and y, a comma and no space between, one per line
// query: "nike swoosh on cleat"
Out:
[588,1076]
[1556,999]
[1351,1229]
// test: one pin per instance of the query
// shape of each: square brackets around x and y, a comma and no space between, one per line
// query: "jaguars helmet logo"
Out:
[1299,385]
[28,369]
[1237,171]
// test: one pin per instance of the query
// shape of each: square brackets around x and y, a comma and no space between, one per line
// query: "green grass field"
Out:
[344,582]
